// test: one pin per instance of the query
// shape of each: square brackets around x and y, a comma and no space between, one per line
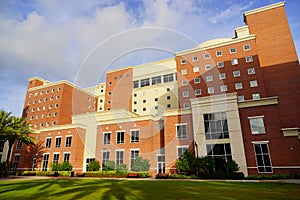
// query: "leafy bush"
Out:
[65,173]
[182,176]
[231,167]
[94,166]
[140,165]
[65,166]
[144,174]
[268,177]
[122,167]
[43,173]
[109,165]
[2,166]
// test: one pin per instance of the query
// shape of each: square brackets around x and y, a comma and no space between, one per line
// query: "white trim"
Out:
[254,117]
[260,142]
[134,149]
[181,124]
[120,150]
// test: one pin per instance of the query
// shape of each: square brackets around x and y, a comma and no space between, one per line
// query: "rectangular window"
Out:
[88,161]
[251,70]
[156,80]
[186,105]
[197,80]
[119,157]
[106,138]
[256,96]
[67,157]
[55,157]
[216,126]
[222,76]
[246,47]
[220,64]
[249,59]
[238,86]
[209,78]
[45,162]
[184,71]
[48,142]
[196,69]
[206,56]
[181,131]
[57,142]
[253,83]
[223,88]
[168,78]
[219,53]
[257,125]
[234,61]
[105,157]
[210,90]
[134,154]
[136,84]
[134,136]
[184,82]
[145,82]
[263,159]
[120,137]
[219,152]
[207,67]
[195,58]
[236,73]
[68,141]
[19,145]
[16,162]
[198,92]
[232,50]
[181,150]
[241,98]
[185,93]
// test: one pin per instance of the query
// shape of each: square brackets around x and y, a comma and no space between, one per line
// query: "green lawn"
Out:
[143,189]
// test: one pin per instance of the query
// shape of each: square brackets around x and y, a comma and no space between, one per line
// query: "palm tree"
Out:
[14,128]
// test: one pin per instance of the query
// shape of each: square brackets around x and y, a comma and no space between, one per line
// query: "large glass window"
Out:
[156,80]
[120,137]
[181,150]
[136,84]
[257,125]
[48,142]
[181,131]
[16,162]
[119,157]
[57,142]
[45,162]
[134,136]
[106,139]
[68,141]
[55,157]
[216,126]
[134,154]
[145,82]
[67,157]
[263,160]
[220,153]
[168,78]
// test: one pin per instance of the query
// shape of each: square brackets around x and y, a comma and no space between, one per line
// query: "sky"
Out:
[79,41]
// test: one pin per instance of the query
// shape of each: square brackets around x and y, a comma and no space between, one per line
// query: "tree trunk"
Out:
[10,145]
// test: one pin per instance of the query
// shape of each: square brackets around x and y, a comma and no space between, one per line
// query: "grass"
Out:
[143,189]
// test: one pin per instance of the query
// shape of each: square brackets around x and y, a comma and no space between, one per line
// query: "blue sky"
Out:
[79,40]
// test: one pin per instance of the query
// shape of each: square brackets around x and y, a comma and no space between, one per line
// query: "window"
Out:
[181,150]
[145,82]
[19,145]
[144,101]
[181,131]
[168,89]
[196,69]
[238,86]
[168,97]
[220,64]
[209,78]
[106,138]
[16,162]
[50,106]
[105,157]
[48,142]
[183,61]
[67,157]
[249,59]
[45,162]
[236,73]
[144,109]
[134,136]
[255,96]
[216,126]
[51,98]
[184,82]
[262,155]
[197,80]
[234,61]
[134,110]
[168,105]
[219,53]
[88,161]
[251,70]
[185,93]
[253,83]
[198,92]
[219,151]
[119,157]
[241,98]
[155,99]
[57,97]
[207,67]
[46,99]
[206,56]
[257,125]
[210,90]
[55,114]
[223,88]
[134,154]
[222,76]
[156,107]
[168,78]
[246,47]
[232,50]
[120,137]
[184,71]
[156,80]
[136,84]
[55,157]
[186,105]
[57,142]
[195,58]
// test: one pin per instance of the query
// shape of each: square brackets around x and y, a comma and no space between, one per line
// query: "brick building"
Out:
[233,98]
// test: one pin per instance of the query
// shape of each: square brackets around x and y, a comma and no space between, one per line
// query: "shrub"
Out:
[94,166]
[273,176]
[144,174]
[65,166]
[140,165]
[181,176]
[122,167]
[109,165]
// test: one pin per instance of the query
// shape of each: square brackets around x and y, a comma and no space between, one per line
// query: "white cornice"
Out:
[60,127]
[276,5]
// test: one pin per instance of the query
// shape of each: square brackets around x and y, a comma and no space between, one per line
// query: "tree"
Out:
[187,163]
[140,165]
[14,128]
[207,164]
[231,167]
[94,166]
